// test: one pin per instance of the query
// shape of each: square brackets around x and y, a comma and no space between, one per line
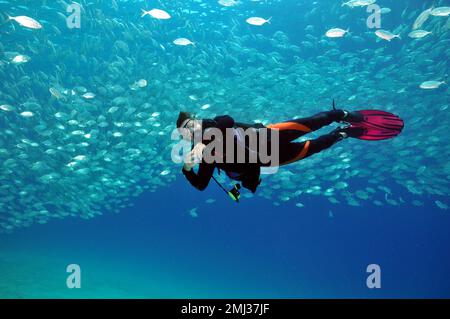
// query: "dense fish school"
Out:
[87,114]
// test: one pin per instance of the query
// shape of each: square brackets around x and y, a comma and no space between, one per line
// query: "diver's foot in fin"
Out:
[354,132]
[347,116]
[353,117]
[378,125]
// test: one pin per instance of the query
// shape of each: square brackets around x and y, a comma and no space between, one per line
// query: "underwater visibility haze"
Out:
[90,93]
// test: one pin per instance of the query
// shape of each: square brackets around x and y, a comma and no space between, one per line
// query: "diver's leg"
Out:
[293,152]
[291,130]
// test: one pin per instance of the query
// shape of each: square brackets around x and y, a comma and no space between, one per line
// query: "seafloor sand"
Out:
[32,276]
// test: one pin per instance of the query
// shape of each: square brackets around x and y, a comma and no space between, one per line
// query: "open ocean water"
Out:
[87,178]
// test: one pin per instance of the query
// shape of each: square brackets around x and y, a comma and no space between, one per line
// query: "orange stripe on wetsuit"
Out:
[295,127]
[290,126]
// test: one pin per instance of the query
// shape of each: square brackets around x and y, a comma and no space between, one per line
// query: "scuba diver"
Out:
[371,125]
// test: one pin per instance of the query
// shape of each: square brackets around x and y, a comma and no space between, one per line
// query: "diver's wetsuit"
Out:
[249,173]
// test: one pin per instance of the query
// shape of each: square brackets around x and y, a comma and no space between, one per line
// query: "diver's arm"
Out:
[245,126]
[224,122]
[221,122]
[200,180]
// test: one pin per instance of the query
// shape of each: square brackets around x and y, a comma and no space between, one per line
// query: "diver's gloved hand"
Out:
[197,152]
[194,157]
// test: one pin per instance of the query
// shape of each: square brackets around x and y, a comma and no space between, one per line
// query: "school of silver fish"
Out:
[87,114]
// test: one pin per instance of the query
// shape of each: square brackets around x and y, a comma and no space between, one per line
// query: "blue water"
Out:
[258,248]
[246,250]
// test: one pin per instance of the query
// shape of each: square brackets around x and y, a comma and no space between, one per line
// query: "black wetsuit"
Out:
[289,151]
